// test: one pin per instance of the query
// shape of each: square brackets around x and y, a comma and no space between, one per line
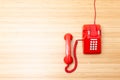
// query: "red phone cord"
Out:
[75,58]
[94,11]
[75,46]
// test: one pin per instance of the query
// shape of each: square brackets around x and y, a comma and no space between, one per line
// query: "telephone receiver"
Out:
[91,39]
[68,58]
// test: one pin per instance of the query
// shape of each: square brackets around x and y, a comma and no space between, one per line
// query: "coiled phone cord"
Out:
[75,58]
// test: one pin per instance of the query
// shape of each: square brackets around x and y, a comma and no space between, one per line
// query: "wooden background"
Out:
[32,45]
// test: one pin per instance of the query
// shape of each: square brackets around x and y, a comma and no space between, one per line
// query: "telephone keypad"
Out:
[93,44]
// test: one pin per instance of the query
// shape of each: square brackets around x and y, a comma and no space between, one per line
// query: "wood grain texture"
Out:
[32,44]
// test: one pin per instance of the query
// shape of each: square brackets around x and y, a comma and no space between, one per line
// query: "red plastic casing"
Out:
[91,39]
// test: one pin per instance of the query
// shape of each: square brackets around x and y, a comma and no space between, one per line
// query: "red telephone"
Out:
[91,44]
[92,39]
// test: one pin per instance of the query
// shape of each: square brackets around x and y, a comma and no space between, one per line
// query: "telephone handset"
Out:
[68,58]
[91,44]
